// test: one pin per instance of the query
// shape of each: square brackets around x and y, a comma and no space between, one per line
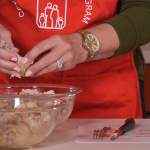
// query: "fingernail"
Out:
[15,49]
[16,69]
[24,60]
[28,73]
[13,59]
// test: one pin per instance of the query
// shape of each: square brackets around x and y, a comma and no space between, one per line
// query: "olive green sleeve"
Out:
[132,25]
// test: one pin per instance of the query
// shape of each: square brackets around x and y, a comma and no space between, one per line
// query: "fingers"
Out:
[7,58]
[6,36]
[66,65]
[8,65]
[46,70]
[43,63]
[12,73]
[6,55]
[39,49]
[6,71]
[16,50]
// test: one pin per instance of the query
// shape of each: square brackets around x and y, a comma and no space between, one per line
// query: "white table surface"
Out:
[63,137]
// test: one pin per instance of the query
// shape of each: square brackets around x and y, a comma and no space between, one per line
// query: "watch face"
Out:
[92,42]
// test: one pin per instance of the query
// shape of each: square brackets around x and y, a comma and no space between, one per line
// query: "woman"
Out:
[107,66]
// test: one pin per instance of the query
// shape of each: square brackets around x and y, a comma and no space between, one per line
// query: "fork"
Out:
[99,134]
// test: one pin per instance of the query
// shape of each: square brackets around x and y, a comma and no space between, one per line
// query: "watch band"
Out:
[82,33]
[91,53]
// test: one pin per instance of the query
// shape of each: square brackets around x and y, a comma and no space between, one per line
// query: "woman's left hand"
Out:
[66,48]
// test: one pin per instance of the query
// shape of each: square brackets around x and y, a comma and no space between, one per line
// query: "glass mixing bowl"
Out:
[53,91]
[26,120]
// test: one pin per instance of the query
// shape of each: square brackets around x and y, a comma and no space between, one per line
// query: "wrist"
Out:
[90,43]
[79,42]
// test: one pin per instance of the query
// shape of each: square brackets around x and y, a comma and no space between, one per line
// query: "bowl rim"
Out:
[77,89]
[33,98]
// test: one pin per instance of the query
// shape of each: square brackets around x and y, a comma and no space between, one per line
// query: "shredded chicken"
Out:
[29,92]
[23,129]
[19,128]
[34,92]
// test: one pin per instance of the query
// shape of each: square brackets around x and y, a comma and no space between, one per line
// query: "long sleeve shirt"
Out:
[133,28]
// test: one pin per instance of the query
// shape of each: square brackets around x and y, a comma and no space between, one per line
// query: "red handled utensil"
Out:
[129,125]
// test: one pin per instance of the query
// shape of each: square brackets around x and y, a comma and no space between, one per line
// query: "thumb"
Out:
[16,50]
[6,36]
[11,45]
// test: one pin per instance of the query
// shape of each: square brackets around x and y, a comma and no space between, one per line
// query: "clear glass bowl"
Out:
[27,120]
[61,92]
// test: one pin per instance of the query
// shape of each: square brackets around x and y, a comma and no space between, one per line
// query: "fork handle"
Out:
[129,124]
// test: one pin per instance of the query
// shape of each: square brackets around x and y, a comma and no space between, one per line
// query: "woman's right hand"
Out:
[8,58]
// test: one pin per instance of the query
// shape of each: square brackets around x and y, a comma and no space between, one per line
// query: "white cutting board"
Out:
[140,134]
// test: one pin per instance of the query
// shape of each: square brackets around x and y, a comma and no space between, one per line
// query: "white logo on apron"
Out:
[49,15]
[21,13]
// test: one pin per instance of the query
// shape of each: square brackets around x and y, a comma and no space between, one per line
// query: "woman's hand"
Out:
[66,48]
[8,58]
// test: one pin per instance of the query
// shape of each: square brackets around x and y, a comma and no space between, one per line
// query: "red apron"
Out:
[110,86]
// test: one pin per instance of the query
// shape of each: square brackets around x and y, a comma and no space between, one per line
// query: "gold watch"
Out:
[90,43]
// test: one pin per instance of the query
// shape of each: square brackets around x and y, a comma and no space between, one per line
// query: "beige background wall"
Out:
[146,52]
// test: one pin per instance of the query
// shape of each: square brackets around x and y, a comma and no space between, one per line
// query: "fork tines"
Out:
[95,134]
[99,134]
